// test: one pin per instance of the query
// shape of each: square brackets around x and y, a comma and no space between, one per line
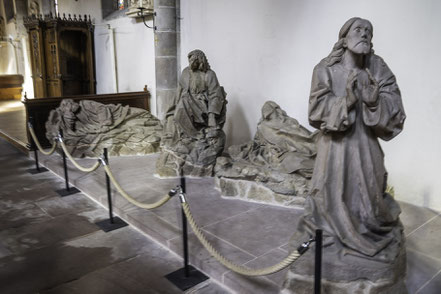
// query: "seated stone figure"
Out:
[193,136]
[88,127]
[276,165]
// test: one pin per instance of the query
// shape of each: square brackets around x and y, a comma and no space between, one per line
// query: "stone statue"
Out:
[354,101]
[89,127]
[193,137]
[280,158]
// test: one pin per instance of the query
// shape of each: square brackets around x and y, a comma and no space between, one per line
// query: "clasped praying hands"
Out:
[362,85]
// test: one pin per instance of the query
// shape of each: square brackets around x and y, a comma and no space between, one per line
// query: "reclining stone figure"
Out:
[88,127]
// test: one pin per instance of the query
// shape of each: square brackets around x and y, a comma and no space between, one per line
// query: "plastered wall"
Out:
[266,49]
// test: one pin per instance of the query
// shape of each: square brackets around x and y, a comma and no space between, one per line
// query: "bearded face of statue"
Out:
[193,60]
[358,39]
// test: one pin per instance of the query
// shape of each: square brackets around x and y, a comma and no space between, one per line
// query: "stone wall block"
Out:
[165,44]
[166,2]
[165,19]
[166,75]
[165,99]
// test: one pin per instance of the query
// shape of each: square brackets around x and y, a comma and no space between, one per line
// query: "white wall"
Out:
[266,49]
[134,50]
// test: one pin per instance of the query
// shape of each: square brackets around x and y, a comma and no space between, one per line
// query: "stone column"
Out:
[166,52]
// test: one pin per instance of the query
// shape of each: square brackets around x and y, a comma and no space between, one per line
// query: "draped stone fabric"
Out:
[90,126]
[281,155]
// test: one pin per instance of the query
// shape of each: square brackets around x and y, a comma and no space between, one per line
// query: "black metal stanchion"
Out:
[318,261]
[37,168]
[69,190]
[113,222]
[188,276]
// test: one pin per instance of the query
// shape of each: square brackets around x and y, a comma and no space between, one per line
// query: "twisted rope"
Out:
[131,199]
[37,143]
[81,168]
[229,264]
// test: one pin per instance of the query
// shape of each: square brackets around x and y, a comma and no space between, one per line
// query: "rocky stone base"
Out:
[170,164]
[344,273]
[256,192]
[298,284]
[126,149]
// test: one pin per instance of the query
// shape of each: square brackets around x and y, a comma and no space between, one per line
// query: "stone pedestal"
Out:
[347,274]
[256,192]
[171,164]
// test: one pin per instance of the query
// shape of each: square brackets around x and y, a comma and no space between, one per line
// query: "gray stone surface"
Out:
[159,226]
[431,236]
[414,217]
[166,43]
[166,72]
[275,167]
[255,192]
[166,2]
[193,136]
[420,270]
[88,127]
[50,244]
[354,102]
[166,18]
[257,231]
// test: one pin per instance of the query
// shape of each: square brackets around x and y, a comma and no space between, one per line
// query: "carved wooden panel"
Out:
[38,67]
[63,59]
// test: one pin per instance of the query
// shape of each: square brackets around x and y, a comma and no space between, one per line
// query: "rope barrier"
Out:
[37,143]
[81,168]
[131,199]
[229,264]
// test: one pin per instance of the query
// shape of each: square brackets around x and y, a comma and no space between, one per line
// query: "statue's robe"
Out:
[348,199]
[199,94]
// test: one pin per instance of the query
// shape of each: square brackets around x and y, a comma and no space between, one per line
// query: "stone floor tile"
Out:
[433,287]
[250,285]
[427,239]
[260,230]
[50,266]
[271,258]
[420,269]
[12,215]
[203,260]
[154,226]
[413,216]
[142,274]
[37,235]
[125,242]
[66,205]
[209,287]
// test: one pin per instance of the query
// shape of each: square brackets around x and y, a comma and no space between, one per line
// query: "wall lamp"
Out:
[144,15]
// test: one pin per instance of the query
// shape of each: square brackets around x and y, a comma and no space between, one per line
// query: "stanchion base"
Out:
[34,171]
[65,192]
[107,226]
[179,279]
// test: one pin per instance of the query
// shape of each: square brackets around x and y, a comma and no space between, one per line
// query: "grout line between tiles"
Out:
[231,244]
[426,283]
[428,221]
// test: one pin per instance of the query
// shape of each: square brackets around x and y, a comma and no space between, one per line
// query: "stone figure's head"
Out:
[198,61]
[271,110]
[68,109]
[355,35]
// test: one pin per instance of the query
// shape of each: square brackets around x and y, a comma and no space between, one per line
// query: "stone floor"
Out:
[252,234]
[50,244]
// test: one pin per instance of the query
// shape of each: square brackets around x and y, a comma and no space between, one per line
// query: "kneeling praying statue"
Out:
[354,101]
